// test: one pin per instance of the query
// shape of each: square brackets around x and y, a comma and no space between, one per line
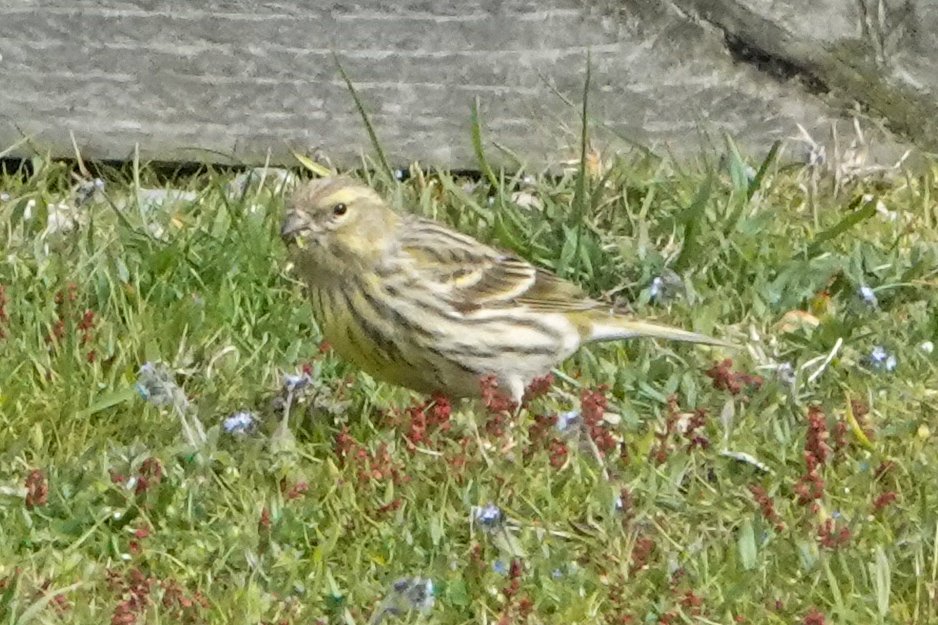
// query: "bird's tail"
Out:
[617,328]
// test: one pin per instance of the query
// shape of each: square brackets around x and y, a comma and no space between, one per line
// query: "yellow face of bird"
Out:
[336,224]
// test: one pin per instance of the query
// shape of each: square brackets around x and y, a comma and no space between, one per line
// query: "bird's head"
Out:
[337,224]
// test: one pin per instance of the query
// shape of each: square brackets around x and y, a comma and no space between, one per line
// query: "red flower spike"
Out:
[3,311]
[537,433]
[767,506]
[810,487]
[558,452]
[525,607]
[87,321]
[538,388]
[593,405]
[734,382]
[818,436]
[884,501]
[832,537]
[840,435]
[514,579]
[440,412]
[659,454]
[344,444]
[668,618]
[392,506]
[692,435]
[37,489]
[860,412]
[150,474]
[417,429]
[641,552]
[296,491]
[493,399]
[152,469]
[813,617]
[691,603]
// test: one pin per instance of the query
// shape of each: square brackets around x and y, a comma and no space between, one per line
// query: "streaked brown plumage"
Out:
[420,305]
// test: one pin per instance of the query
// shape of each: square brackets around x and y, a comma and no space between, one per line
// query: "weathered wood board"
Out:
[236,80]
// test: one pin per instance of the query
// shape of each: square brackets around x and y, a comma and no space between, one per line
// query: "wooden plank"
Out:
[233,80]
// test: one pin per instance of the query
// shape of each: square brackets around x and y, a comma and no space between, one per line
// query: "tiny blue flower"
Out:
[98,183]
[407,594]
[786,373]
[500,567]
[239,422]
[927,347]
[155,384]
[293,382]
[868,296]
[565,419]
[882,360]
[399,174]
[815,155]
[142,390]
[654,291]
[424,598]
[556,573]
[488,516]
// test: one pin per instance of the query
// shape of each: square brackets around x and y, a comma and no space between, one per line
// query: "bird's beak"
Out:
[293,224]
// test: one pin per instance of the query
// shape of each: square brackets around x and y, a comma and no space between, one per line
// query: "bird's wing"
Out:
[472,275]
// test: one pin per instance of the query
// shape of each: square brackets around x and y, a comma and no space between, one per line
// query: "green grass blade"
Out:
[112,399]
[580,198]
[372,135]
[763,169]
[40,604]
[852,219]
[746,544]
[691,218]
[8,602]
[479,149]
[311,165]
[736,165]
[882,581]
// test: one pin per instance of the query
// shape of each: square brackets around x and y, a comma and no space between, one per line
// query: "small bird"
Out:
[420,305]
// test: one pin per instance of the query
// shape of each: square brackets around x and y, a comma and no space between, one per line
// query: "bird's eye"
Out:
[339,209]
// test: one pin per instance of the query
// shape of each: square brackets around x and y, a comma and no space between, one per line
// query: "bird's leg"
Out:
[516,394]
[282,438]
[480,443]
[287,404]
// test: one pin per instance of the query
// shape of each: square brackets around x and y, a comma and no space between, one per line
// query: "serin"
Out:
[420,305]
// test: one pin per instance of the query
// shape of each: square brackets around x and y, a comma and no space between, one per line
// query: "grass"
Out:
[795,484]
